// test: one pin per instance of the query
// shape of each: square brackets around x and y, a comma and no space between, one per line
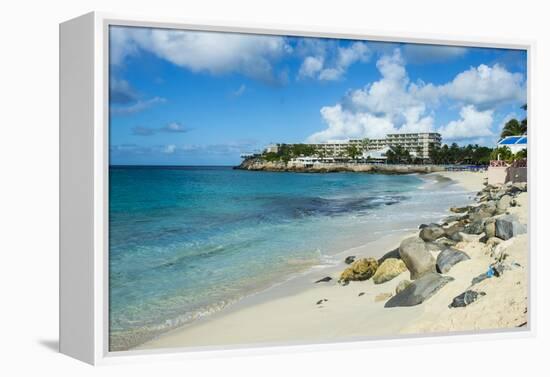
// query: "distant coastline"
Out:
[258,164]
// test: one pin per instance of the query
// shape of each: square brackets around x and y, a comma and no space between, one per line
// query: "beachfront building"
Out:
[417,144]
[376,155]
[515,143]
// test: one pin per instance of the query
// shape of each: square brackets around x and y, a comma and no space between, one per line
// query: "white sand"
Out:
[295,317]
[471,181]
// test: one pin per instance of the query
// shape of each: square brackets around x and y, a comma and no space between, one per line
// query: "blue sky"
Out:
[199,98]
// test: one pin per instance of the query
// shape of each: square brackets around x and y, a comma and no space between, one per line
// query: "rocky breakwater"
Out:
[258,164]
[485,229]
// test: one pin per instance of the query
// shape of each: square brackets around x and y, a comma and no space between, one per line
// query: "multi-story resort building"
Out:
[417,144]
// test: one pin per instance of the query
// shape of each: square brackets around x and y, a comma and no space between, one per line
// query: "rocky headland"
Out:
[258,164]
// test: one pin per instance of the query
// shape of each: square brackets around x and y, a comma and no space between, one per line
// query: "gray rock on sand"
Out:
[390,254]
[416,256]
[444,242]
[402,285]
[519,186]
[459,209]
[434,247]
[475,227]
[454,228]
[431,232]
[419,291]
[448,258]
[466,298]
[507,227]
[326,279]
[504,202]
[350,259]
[450,219]
[482,214]
[489,228]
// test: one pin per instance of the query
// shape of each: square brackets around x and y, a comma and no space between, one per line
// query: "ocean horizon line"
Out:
[167,166]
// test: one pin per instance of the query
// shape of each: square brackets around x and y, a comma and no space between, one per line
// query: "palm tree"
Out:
[513,128]
[365,143]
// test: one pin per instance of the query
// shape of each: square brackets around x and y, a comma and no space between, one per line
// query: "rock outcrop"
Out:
[431,232]
[416,256]
[402,285]
[448,258]
[419,291]
[507,227]
[388,270]
[361,269]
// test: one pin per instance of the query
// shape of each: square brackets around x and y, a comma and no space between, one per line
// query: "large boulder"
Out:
[450,219]
[419,291]
[518,187]
[482,212]
[416,256]
[389,269]
[402,285]
[490,228]
[507,227]
[448,258]
[434,247]
[454,228]
[361,269]
[444,242]
[390,254]
[504,203]
[475,227]
[459,209]
[431,232]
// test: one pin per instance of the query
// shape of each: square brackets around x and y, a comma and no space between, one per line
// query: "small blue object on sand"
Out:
[490,272]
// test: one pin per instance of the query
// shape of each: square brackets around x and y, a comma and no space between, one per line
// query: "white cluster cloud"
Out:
[472,124]
[327,62]
[215,53]
[382,107]
[394,104]
[486,86]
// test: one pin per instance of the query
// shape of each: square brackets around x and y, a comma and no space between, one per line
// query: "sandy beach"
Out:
[331,312]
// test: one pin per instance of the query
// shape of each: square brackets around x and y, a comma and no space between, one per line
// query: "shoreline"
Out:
[380,168]
[238,324]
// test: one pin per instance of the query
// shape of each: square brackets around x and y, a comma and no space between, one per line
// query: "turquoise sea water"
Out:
[187,241]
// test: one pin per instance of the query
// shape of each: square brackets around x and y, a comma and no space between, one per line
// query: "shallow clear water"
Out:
[185,242]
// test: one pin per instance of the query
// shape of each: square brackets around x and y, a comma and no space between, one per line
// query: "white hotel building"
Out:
[418,144]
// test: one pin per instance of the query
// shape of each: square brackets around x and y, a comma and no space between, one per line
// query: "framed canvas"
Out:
[230,189]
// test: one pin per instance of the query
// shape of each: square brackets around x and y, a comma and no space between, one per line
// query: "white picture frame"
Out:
[84,156]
